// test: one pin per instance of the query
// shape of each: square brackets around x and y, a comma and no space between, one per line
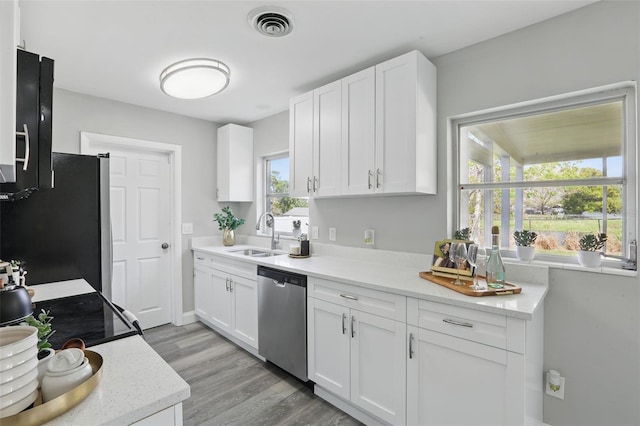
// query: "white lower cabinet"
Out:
[226,297]
[359,357]
[453,381]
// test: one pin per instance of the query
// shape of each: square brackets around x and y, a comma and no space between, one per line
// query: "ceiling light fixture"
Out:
[194,78]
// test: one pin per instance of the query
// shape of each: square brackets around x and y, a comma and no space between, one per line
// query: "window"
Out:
[562,168]
[285,209]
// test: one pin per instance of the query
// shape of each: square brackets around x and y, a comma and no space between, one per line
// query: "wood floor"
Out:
[231,387]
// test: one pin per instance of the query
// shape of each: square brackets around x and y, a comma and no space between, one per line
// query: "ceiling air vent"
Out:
[271,21]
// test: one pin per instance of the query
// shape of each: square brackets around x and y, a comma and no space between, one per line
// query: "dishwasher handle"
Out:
[279,284]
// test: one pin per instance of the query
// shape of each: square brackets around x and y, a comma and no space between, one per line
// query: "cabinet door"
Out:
[453,381]
[396,124]
[358,132]
[203,292]
[245,310]
[328,346]
[378,366]
[235,163]
[327,108]
[301,144]
[221,306]
[223,156]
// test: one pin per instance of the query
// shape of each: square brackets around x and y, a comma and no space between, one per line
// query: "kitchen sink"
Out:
[256,253]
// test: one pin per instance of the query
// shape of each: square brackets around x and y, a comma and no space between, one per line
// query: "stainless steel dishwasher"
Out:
[282,319]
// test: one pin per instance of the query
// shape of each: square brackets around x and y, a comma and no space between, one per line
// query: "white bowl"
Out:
[20,405]
[16,339]
[14,385]
[18,370]
[18,359]
[66,370]
[18,394]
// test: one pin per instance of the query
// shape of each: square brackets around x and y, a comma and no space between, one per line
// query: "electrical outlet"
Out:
[187,228]
[314,232]
[332,234]
[369,237]
[554,385]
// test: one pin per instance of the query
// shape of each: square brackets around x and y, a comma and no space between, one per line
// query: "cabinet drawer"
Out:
[202,259]
[477,326]
[241,268]
[379,303]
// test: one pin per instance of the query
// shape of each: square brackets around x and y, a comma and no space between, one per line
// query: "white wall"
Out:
[74,112]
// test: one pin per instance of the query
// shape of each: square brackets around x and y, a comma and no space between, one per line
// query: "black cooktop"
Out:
[90,317]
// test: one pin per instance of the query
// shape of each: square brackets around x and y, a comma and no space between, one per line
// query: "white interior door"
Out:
[141,223]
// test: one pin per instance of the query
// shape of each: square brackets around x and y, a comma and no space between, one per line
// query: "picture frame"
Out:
[442,264]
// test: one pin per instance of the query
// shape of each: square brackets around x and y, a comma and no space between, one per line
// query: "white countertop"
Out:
[403,279]
[136,382]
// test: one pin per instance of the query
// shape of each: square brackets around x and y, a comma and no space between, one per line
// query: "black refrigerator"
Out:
[63,233]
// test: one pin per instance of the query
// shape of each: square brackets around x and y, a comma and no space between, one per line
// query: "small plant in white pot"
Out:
[590,246]
[524,244]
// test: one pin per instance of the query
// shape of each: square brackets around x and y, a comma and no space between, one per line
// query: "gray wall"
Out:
[592,334]
[74,112]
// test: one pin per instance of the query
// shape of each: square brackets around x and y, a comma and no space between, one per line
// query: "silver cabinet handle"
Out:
[344,327]
[459,323]
[308,185]
[369,179]
[315,181]
[199,258]
[353,328]
[410,345]
[227,283]
[348,296]
[378,174]
[24,160]
[231,285]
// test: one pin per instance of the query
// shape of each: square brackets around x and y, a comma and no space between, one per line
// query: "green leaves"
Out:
[591,242]
[43,324]
[525,238]
[462,234]
[227,220]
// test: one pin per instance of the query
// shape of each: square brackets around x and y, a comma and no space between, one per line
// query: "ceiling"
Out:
[116,49]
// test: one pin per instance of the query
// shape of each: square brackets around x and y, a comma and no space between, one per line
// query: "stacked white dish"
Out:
[18,368]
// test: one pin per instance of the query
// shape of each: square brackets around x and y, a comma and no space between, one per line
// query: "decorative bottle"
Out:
[495,265]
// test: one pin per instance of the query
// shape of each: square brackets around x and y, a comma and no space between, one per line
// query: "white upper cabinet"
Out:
[235,163]
[387,128]
[358,131]
[406,125]
[301,145]
[9,40]
[315,141]
[327,137]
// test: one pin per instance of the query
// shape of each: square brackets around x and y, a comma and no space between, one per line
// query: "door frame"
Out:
[88,143]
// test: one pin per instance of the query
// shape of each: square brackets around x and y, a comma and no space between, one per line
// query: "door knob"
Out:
[165,245]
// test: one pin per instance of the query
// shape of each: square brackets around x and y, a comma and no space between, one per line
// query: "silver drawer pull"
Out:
[199,258]
[344,327]
[460,323]
[348,296]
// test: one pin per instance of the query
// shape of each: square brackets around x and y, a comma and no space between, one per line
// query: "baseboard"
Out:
[348,408]
[250,349]
[189,318]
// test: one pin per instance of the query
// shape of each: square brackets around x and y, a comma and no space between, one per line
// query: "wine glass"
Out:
[472,256]
[459,256]
[477,257]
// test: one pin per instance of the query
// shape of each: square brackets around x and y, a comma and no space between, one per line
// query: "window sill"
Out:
[604,269]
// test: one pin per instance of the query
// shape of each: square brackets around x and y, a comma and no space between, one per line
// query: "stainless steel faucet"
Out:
[270,224]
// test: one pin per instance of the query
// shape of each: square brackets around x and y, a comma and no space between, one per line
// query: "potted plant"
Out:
[590,245]
[227,223]
[525,240]
[462,234]
[45,331]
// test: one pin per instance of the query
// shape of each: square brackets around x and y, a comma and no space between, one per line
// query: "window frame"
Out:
[624,91]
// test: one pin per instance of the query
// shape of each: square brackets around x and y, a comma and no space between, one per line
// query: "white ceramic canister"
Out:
[66,370]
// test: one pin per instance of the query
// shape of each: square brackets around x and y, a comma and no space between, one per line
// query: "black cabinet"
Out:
[34,101]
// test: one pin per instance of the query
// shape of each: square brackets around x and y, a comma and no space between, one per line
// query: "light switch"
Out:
[187,228]
[332,234]
[314,232]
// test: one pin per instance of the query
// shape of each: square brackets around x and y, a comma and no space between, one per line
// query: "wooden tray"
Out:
[299,256]
[464,289]
[43,412]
